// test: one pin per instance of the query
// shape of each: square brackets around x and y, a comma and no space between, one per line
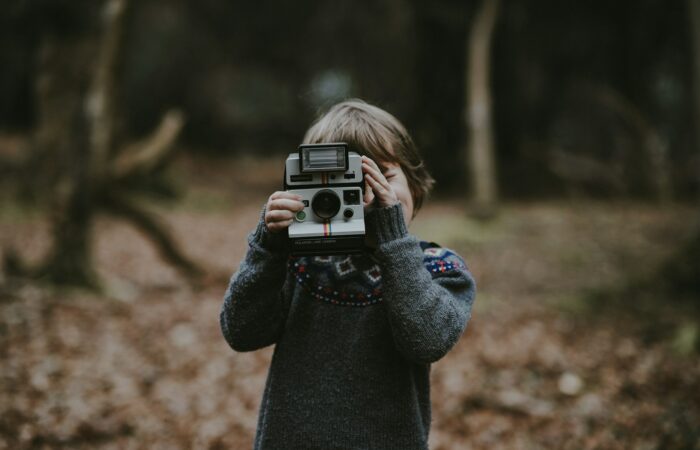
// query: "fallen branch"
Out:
[155,230]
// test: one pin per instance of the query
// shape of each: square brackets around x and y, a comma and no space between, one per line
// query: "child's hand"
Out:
[378,188]
[280,210]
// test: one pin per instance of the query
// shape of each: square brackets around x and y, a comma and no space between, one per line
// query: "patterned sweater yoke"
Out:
[356,280]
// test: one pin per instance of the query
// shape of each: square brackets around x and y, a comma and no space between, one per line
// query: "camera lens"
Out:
[325,204]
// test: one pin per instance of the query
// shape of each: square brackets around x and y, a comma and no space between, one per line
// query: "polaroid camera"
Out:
[329,179]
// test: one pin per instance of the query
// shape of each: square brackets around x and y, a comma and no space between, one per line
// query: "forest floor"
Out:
[541,365]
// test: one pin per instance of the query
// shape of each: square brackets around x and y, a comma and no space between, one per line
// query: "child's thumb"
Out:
[369,195]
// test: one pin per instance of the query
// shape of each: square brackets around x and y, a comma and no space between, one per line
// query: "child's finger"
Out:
[284,194]
[381,184]
[368,166]
[368,160]
[371,163]
[368,171]
[377,175]
[374,184]
[286,204]
[381,193]
[279,226]
[278,215]
[386,197]
[369,195]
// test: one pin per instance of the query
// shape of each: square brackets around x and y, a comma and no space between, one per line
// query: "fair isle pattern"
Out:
[340,281]
[439,260]
[356,280]
[328,259]
[344,268]
[433,252]
[373,274]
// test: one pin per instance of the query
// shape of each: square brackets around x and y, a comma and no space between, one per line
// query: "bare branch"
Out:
[149,153]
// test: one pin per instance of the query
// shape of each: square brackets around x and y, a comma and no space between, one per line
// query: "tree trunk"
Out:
[438,108]
[76,127]
[694,9]
[64,77]
[101,107]
[77,94]
[480,147]
[70,260]
[681,273]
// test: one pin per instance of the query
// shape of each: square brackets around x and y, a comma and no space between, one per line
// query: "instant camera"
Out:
[329,179]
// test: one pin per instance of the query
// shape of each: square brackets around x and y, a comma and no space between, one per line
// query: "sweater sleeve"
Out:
[256,302]
[428,310]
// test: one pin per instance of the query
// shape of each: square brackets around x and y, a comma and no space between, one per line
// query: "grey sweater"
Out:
[355,336]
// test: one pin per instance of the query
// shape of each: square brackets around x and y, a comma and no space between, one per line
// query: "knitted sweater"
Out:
[355,336]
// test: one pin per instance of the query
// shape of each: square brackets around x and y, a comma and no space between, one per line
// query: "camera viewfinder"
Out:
[323,158]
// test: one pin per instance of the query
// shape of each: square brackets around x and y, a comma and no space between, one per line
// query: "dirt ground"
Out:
[144,365]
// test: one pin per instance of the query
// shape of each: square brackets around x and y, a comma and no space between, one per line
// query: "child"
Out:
[355,334]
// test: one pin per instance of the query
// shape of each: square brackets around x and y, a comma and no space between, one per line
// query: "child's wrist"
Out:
[387,223]
[272,241]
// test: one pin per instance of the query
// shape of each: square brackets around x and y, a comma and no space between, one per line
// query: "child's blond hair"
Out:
[374,132]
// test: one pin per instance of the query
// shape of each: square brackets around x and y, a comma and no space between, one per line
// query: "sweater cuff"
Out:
[262,236]
[387,223]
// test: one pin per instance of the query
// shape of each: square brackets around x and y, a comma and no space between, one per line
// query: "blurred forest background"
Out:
[139,140]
